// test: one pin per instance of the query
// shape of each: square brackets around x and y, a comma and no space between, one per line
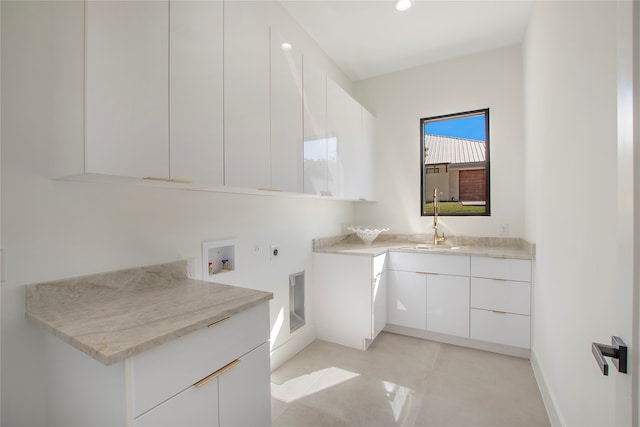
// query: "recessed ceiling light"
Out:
[286,46]
[402,5]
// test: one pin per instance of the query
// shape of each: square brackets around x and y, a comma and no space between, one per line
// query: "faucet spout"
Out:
[437,239]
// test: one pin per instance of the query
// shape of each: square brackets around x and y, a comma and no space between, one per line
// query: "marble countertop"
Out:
[495,247]
[116,315]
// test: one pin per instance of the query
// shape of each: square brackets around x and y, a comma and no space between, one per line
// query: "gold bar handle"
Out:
[498,312]
[218,322]
[270,189]
[217,373]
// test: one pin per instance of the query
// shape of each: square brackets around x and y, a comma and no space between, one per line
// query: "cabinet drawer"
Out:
[501,295]
[455,265]
[196,406]
[499,268]
[501,328]
[164,371]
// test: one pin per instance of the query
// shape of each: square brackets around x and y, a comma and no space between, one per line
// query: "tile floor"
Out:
[404,381]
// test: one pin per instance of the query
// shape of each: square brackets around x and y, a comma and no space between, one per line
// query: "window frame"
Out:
[423,174]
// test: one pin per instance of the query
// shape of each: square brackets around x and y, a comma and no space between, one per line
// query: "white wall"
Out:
[570,116]
[491,79]
[53,229]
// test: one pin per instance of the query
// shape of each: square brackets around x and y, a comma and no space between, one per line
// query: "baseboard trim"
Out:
[550,403]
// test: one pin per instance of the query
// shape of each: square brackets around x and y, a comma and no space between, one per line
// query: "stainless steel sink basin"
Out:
[428,247]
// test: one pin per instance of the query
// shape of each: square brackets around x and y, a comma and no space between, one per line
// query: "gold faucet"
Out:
[436,206]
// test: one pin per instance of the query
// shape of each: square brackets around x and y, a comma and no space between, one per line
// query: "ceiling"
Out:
[367,38]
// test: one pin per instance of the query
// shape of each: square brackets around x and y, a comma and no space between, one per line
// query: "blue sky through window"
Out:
[464,127]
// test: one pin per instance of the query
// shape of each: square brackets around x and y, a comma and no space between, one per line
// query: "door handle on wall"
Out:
[617,351]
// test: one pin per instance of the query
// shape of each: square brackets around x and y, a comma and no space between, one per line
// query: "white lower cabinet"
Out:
[407,299]
[161,374]
[220,398]
[485,299]
[422,297]
[218,375]
[448,304]
[242,391]
[501,301]
[379,296]
[476,301]
[349,298]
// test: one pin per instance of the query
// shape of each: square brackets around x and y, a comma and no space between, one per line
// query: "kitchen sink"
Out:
[430,247]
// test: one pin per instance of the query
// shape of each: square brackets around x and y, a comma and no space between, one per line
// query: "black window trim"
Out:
[485,112]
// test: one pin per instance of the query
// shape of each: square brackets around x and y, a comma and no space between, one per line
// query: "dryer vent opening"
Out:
[296,301]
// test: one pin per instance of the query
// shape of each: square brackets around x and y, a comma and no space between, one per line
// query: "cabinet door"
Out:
[194,407]
[363,172]
[317,149]
[196,92]
[344,118]
[245,391]
[407,299]
[448,304]
[246,94]
[286,113]
[342,298]
[379,295]
[126,98]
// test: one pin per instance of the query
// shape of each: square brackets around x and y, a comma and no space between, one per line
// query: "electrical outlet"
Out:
[504,229]
[191,268]
[275,251]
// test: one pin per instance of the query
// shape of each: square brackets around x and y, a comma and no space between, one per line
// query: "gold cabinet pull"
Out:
[270,189]
[218,322]
[217,373]
[179,181]
[498,312]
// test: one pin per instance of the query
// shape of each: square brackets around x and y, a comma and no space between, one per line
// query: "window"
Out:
[455,163]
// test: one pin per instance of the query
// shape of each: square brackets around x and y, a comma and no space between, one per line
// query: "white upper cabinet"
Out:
[152,96]
[126,98]
[246,95]
[363,175]
[317,147]
[344,121]
[286,114]
[195,73]
[201,94]
[350,129]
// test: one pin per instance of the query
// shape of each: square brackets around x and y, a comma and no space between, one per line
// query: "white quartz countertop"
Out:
[116,315]
[469,246]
